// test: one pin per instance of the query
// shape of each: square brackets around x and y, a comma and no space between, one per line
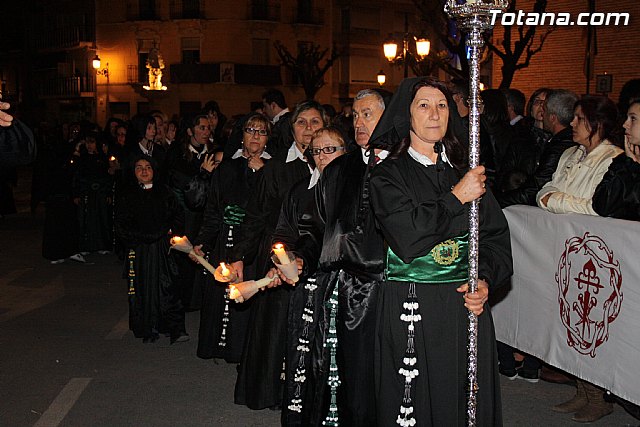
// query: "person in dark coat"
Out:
[259,384]
[146,216]
[420,197]
[618,194]
[189,164]
[223,323]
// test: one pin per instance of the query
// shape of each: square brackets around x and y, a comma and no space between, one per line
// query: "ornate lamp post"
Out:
[101,72]
[473,16]
[391,47]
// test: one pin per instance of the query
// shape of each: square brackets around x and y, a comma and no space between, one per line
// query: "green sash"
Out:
[233,215]
[447,262]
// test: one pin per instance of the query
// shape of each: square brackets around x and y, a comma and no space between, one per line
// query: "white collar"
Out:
[365,155]
[279,115]
[146,152]
[146,186]
[426,161]
[198,153]
[294,153]
[240,153]
[315,176]
[516,119]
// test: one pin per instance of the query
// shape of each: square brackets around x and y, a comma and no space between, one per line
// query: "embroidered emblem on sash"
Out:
[445,253]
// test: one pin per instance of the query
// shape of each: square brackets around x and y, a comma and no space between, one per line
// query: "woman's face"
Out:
[537,109]
[121,136]
[144,172]
[200,132]
[213,119]
[325,142]
[171,132]
[632,126]
[429,115]
[581,130]
[150,133]
[252,141]
[91,145]
[305,125]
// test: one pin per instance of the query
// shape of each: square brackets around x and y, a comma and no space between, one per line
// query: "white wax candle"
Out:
[281,253]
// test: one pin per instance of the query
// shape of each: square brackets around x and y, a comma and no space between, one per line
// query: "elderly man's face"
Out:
[366,115]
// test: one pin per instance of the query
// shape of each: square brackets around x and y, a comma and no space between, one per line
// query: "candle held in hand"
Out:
[281,253]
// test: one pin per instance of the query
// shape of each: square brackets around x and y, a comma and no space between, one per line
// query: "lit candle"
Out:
[225,271]
[225,274]
[112,158]
[184,245]
[281,253]
[240,292]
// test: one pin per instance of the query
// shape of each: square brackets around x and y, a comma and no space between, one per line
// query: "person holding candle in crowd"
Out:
[259,383]
[420,197]
[223,324]
[145,215]
[298,230]
[351,266]
[618,194]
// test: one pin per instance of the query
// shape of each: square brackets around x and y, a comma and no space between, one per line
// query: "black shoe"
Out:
[511,374]
[180,337]
[151,338]
[532,376]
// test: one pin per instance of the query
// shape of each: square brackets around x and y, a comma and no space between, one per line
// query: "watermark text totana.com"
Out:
[560,19]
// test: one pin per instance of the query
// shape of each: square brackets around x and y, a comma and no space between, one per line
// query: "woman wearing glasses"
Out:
[298,229]
[259,385]
[223,324]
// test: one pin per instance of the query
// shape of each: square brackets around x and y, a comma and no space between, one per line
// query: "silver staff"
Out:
[473,16]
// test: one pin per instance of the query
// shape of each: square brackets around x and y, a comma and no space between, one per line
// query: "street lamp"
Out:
[101,72]
[390,47]
[382,78]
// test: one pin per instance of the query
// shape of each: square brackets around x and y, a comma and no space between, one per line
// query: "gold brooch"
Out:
[445,253]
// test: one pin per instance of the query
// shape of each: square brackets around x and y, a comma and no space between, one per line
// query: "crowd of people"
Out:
[373,204]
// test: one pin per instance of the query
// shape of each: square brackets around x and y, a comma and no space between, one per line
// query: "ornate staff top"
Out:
[474,13]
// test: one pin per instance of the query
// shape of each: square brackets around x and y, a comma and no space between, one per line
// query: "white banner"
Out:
[574,300]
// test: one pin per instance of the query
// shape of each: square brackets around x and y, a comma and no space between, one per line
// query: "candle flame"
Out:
[112,158]
[278,246]
[175,240]
[225,270]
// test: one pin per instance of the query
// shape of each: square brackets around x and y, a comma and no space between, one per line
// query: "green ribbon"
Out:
[233,215]
[447,262]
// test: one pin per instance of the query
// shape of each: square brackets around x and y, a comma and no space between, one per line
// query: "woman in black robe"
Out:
[189,165]
[260,377]
[92,193]
[300,230]
[146,215]
[223,323]
[420,197]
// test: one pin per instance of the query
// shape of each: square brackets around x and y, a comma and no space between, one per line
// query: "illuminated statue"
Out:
[155,64]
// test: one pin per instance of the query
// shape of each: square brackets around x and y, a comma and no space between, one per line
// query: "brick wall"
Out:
[560,64]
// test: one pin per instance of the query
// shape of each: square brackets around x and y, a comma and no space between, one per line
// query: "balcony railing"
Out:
[186,9]
[66,38]
[309,16]
[261,10]
[67,87]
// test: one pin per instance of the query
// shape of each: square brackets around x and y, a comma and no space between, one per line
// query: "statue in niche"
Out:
[155,64]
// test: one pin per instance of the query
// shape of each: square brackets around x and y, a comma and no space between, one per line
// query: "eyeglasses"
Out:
[253,131]
[325,150]
[313,123]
